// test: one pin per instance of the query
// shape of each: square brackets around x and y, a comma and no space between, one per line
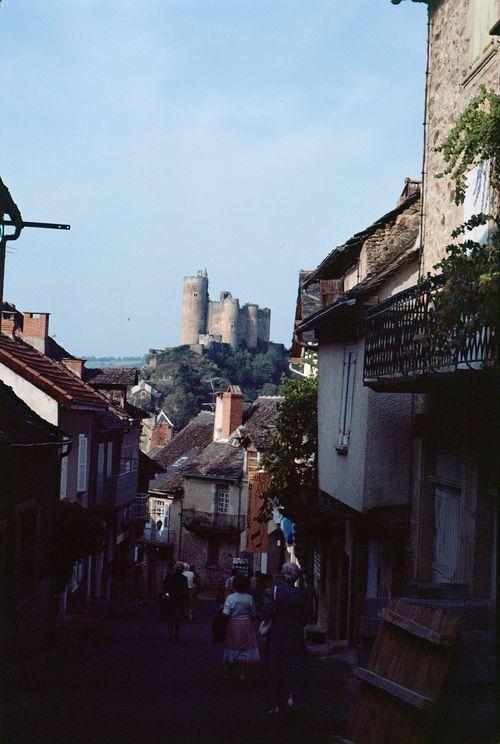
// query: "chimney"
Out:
[228,412]
[75,365]
[36,330]
[161,435]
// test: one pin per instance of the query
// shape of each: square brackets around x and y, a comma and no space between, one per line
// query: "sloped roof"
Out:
[20,425]
[308,302]
[219,460]
[103,376]
[48,375]
[345,255]
[259,421]
[195,436]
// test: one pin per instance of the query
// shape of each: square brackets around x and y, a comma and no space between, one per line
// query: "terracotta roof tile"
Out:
[50,376]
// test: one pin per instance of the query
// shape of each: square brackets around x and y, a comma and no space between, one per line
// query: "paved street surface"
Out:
[124,683]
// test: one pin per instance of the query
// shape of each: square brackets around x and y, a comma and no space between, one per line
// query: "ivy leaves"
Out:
[475,138]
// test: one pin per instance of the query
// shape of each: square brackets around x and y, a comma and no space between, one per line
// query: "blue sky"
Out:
[245,136]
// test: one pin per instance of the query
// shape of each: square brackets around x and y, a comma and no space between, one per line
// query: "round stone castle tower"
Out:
[194,307]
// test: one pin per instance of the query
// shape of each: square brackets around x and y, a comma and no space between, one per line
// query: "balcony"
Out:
[213,522]
[136,513]
[401,353]
[159,538]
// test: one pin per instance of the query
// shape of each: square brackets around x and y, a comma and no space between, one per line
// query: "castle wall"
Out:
[223,319]
[194,307]
[264,324]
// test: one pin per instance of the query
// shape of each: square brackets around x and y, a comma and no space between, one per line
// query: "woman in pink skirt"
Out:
[241,644]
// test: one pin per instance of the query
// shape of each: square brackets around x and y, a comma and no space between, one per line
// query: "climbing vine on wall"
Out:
[468,275]
[475,138]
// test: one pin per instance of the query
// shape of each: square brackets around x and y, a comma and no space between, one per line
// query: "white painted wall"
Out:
[36,399]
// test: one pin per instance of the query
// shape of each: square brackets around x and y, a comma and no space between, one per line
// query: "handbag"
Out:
[265,625]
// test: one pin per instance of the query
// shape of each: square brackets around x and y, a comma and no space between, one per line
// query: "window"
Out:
[252,460]
[213,552]
[477,199]
[447,530]
[222,502]
[82,464]
[195,295]
[486,14]
[64,472]
[347,394]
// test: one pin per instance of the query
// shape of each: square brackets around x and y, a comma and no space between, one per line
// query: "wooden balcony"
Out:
[212,522]
[402,352]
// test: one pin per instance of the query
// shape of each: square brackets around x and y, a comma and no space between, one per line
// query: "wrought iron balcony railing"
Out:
[136,513]
[402,345]
[199,521]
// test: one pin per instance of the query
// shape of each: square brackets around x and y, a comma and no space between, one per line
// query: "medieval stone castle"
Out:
[206,321]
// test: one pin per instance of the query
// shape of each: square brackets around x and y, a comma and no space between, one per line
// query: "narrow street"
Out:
[126,684]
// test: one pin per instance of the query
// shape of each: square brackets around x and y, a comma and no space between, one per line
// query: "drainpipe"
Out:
[239,517]
[424,158]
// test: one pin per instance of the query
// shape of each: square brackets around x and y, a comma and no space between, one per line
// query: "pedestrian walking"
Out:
[287,607]
[175,600]
[191,580]
[241,644]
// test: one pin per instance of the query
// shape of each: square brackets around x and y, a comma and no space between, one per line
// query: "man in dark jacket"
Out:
[175,600]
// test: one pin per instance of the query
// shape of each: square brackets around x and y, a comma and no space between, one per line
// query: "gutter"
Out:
[321,315]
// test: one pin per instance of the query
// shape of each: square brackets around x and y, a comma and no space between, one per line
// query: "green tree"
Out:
[291,460]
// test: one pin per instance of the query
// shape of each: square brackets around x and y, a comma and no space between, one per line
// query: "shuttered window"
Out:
[447,531]
[486,14]
[64,473]
[349,376]
[82,463]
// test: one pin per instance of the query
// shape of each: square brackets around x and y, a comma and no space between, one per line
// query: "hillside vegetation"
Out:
[188,380]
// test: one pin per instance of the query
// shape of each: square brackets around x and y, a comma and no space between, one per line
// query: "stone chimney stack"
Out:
[75,365]
[36,330]
[228,412]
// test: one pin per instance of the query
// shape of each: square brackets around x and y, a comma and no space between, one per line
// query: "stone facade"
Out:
[224,321]
[462,56]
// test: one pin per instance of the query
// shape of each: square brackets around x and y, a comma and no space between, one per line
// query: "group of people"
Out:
[178,599]
[285,612]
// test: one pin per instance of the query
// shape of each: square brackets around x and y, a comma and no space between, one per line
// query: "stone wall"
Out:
[454,79]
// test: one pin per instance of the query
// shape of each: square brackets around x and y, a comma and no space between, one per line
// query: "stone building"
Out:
[205,321]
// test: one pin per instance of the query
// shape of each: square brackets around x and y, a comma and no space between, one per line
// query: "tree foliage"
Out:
[188,379]
[291,460]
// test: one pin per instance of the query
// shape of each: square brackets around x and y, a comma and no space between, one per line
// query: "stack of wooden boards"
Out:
[404,676]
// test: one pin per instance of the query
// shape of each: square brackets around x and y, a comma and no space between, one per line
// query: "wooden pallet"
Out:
[404,676]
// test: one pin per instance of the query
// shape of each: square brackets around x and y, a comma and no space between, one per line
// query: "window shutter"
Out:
[486,14]
[349,376]
[82,463]
[110,459]
[64,474]
[447,530]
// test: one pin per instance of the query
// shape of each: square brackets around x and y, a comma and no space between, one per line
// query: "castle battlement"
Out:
[222,320]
